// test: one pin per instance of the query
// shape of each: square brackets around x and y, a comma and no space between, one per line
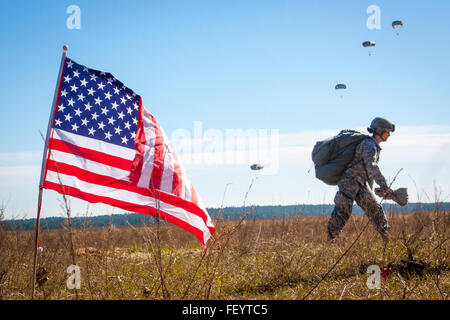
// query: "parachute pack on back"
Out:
[332,156]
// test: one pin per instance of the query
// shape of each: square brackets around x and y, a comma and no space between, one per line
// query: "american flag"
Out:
[105,147]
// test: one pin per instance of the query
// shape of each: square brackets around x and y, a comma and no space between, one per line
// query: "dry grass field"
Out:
[247,259]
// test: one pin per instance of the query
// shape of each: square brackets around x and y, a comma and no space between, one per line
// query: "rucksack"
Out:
[332,156]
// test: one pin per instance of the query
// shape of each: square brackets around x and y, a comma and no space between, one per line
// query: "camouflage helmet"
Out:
[381,124]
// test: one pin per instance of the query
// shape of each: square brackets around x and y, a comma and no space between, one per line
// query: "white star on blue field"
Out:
[91,109]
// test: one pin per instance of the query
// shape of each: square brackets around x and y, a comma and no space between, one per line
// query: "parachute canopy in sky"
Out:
[397,24]
[256,166]
[369,44]
[340,86]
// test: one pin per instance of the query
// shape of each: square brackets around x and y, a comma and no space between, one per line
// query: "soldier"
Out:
[356,183]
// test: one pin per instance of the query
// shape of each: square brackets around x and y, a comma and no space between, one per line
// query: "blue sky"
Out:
[238,65]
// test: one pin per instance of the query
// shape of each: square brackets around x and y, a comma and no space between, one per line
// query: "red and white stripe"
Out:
[98,171]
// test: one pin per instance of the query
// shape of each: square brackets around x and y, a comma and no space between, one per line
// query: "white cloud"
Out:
[14,174]
[19,158]
[423,152]
[412,144]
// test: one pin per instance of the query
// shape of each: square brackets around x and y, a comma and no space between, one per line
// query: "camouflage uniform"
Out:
[356,184]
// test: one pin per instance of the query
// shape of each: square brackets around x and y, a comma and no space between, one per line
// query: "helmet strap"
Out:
[378,134]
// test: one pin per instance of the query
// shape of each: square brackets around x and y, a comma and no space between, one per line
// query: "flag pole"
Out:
[51,120]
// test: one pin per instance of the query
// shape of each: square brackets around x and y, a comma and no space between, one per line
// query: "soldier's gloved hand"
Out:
[388,192]
[384,192]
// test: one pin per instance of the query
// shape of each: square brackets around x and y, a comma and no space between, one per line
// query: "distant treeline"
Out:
[227,213]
